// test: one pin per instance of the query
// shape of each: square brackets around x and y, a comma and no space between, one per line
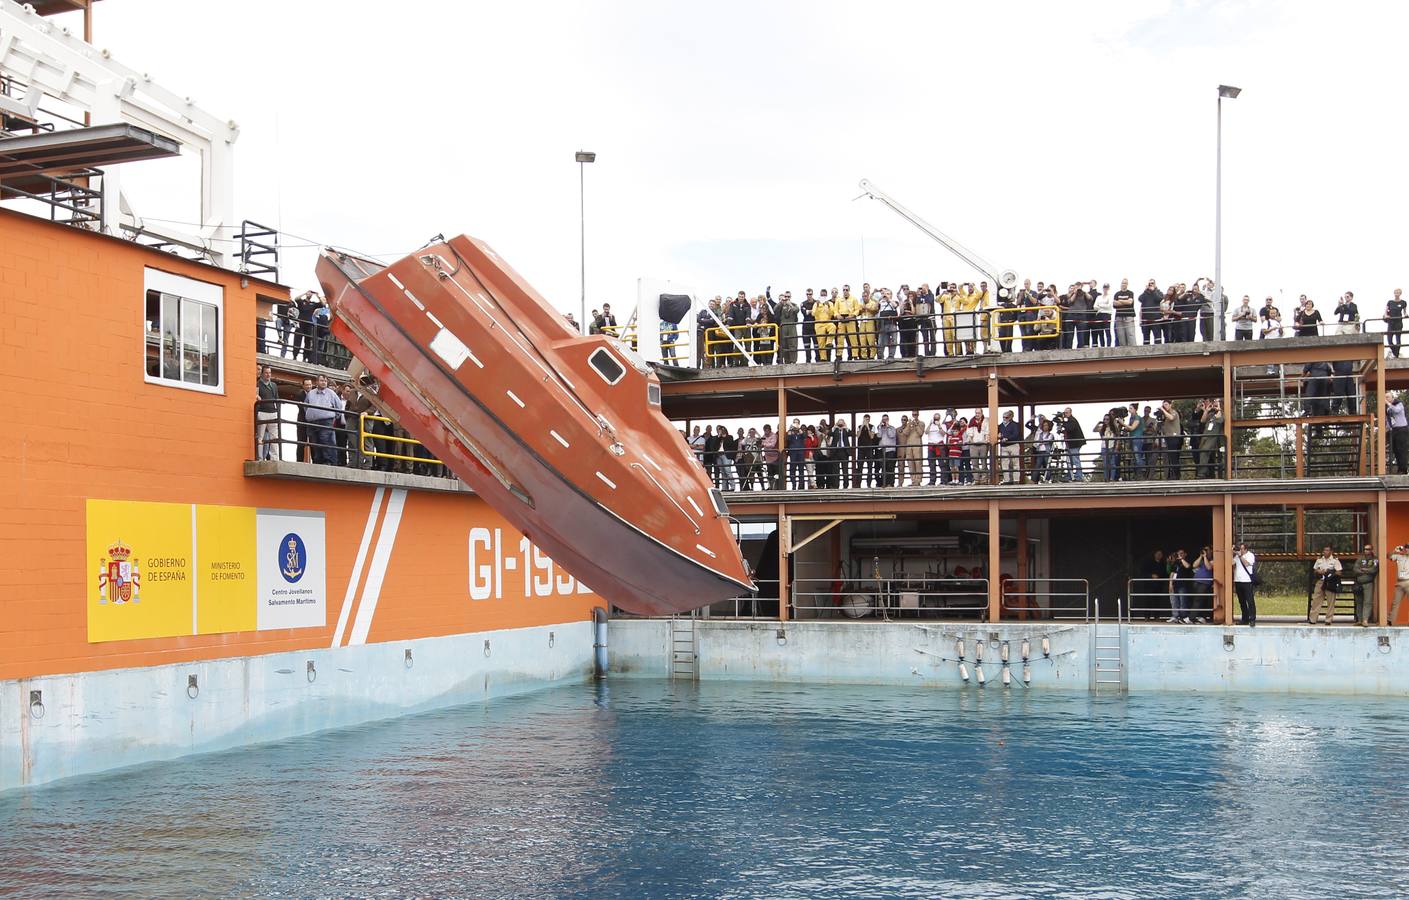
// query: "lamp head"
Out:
[587,156]
[1224,90]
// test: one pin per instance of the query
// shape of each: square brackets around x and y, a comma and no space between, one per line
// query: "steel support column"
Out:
[1228,416]
[993,421]
[784,554]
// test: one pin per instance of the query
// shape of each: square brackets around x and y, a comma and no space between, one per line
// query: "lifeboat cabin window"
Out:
[606,365]
[184,336]
[653,393]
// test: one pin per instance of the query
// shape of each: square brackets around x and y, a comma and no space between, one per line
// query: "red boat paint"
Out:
[562,434]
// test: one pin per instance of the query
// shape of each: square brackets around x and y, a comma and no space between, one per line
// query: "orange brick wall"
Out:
[82,423]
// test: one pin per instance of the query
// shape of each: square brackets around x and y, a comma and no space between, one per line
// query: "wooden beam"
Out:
[1381,401]
[1223,554]
[1379,539]
[1228,416]
[995,559]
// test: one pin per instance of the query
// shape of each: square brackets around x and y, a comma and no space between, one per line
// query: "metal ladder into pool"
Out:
[684,648]
[1108,651]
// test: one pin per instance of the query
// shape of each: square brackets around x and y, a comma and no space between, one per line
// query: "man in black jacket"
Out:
[1075,439]
[1149,310]
[868,455]
[1189,304]
[737,317]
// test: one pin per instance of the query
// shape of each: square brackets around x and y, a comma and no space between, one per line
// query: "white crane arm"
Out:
[1005,278]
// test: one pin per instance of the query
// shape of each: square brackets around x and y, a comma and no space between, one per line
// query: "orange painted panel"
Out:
[83,425]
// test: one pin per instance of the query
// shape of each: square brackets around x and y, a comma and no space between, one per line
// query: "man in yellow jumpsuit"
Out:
[870,308]
[825,314]
[967,322]
[948,303]
[847,308]
[985,303]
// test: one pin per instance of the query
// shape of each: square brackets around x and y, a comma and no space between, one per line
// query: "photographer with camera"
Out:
[1171,437]
[1400,558]
[1074,436]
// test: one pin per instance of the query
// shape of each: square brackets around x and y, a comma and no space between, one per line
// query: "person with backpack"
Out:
[1327,574]
[1245,582]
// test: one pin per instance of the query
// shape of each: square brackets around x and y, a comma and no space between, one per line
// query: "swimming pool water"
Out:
[652,789]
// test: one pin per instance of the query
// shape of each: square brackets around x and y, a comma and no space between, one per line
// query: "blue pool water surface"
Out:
[648,789]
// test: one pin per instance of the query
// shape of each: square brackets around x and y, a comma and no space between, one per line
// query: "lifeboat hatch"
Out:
[720,507]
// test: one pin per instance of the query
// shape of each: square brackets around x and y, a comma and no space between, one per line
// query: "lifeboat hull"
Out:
[620,560]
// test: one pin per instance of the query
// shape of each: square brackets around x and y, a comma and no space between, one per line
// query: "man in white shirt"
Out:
[1400,556]
[1244,565]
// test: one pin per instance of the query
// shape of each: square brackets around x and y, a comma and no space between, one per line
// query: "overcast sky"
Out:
[1063,140]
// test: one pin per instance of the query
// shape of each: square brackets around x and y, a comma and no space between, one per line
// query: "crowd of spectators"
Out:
[298,329]
[958,319]
[327,424]
[1127,444]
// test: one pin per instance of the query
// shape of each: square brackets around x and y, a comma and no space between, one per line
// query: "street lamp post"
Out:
[583,157]
[1218,305]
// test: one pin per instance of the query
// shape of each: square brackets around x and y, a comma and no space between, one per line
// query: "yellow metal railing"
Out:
[747,336]
[363,435]
[1047,325]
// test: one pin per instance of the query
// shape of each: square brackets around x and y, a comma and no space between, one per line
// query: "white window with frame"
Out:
[185,332]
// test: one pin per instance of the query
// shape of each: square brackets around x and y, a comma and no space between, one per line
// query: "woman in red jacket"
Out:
[958,455]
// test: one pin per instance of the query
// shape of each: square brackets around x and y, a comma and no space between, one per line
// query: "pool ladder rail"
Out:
[684,648]
[1109,649]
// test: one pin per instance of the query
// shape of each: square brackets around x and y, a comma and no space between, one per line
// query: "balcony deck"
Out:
[1086,375]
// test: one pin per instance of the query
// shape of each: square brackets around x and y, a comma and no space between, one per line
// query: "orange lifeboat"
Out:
[562,434]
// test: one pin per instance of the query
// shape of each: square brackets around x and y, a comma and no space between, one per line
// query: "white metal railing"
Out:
[890,598]
[1046,598]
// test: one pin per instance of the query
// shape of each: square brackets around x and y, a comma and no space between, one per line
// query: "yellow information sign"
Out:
[161,570]
[140,570]
[225,569]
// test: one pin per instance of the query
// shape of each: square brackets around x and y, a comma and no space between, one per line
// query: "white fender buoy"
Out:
[1027,674]
[978,652]
[1007,676]
[1046,647]
[959,647]
[978,670]
[1004,653]
[1026,649]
